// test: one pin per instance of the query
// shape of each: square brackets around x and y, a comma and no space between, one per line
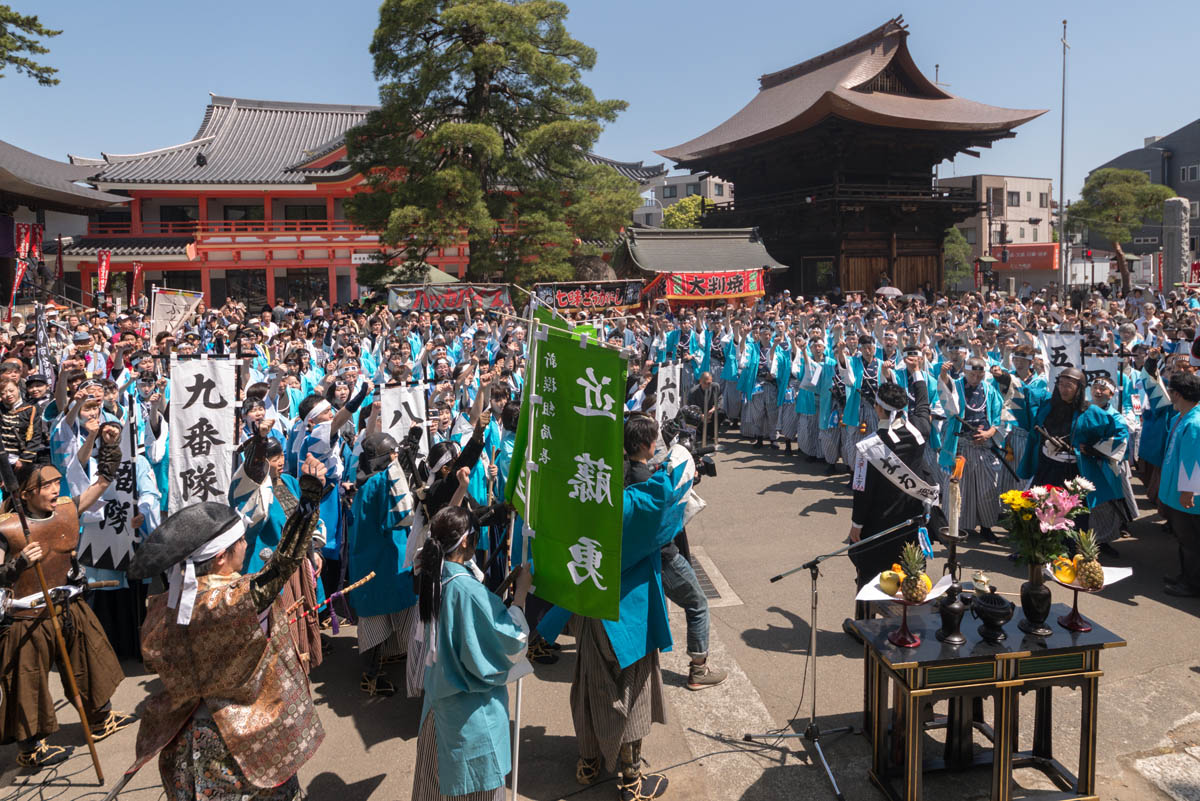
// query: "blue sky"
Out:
[136,74]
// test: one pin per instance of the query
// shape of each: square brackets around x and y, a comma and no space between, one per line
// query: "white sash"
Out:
[874,451]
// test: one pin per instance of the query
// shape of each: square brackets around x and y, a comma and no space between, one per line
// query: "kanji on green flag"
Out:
[574,473]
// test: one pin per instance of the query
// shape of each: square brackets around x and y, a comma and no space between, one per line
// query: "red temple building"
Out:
[252,207]
[834,161]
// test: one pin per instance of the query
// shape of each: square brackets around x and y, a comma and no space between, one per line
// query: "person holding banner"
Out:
[475,648]
[617,691]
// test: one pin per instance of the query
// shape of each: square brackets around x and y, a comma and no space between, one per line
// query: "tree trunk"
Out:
[1122,268]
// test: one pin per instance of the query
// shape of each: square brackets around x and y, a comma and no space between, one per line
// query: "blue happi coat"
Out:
[377,538]
[1104,430]
[950,433]
[1181,463]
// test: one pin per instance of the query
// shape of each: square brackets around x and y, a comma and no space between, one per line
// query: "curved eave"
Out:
[952,114]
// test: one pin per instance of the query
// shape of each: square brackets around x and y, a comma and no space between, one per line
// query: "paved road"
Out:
[766,513]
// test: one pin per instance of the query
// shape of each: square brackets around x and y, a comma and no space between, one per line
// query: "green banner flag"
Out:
[575,480]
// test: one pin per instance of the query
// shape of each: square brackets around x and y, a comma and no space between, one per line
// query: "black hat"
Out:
[377,450]
[179,536]
[36,378]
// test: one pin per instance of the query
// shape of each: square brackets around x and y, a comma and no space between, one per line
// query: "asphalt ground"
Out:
[767,513]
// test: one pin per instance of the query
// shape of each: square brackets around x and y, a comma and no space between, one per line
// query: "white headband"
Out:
[182,592]
[317,411]
[438,465]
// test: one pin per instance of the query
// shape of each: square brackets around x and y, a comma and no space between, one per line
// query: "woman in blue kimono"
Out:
[1101,437]
[476,647]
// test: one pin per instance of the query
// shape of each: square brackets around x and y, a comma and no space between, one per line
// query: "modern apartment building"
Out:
[1017,206]
[674,188]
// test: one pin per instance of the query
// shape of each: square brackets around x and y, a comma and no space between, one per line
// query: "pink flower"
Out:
[1052,520]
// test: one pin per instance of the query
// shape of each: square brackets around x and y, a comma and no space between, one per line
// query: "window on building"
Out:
[1189,173]
[1195,211]
[670,191]
[970,234]
[995,201]
[719,190]
[1149,174]
[1014,198]
[691,189]
[1028,197]
[242,213]
[1043,200]
[171,217]
[1022,235]
[302,214]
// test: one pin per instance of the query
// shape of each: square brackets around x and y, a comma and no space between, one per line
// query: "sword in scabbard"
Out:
[992,446]
[321,605]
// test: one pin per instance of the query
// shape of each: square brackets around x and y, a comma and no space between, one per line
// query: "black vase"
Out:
[1035,606]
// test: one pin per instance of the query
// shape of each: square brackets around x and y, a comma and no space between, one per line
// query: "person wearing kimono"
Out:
[1180,483]
[807,429]
[1157,416]
[1052,460]
[861,377]
[1101,436]
[616,691]
[819,377]
[731,396]
[790,422]
[973,403]
[758,384]
[474,647]
[381,517]
[266,495]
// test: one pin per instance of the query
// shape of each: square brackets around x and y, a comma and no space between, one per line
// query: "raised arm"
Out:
[295,538]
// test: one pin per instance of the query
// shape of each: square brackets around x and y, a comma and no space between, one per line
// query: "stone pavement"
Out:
[766,513]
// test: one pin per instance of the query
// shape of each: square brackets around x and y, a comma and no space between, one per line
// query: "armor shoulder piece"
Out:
[64,499]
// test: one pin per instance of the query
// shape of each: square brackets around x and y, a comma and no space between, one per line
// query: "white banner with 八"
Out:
[403,407]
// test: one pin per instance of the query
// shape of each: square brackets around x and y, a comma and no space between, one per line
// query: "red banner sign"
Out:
[1027,257]
[20,276]
[58,261]
[103,263]
[35,241]
[706,286]
[439,297]
[137,273]
[23,235]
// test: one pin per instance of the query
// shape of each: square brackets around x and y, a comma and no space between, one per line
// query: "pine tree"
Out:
[481,135]
[17,36]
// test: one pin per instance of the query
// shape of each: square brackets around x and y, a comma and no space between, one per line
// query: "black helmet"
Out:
[377,450]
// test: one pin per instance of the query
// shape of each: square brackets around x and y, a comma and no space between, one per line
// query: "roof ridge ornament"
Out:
[893,27]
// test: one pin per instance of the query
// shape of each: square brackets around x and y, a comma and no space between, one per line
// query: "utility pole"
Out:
[1063,249]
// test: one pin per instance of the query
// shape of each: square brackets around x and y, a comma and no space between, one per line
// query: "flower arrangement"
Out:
[1039,518]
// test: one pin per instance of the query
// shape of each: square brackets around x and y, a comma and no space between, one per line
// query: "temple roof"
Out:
[697,250]
[244,141]
[123,246]
[872,80]
[42,181]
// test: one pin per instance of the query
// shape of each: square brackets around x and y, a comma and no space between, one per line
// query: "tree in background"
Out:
[685,213]
[1115,204]
[957,261]
[18,35]
[482,134]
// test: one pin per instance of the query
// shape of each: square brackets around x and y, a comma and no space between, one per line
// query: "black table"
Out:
[966,676]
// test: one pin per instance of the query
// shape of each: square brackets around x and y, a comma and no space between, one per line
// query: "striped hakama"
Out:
[731,400]
[980,491]
[789,418]
[830,441]
[759,414]
[425,772]
[1014,444]
[392,631]
[1106,520]
[867,416]
[610,706]
[808,433]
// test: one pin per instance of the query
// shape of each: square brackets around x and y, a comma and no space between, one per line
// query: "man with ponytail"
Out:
[473,647]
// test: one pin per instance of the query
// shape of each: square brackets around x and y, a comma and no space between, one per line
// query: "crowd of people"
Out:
[324,493]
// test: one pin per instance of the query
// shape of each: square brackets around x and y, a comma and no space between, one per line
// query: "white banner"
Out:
[203,411]
[171,308]
[1060,351]
[107,537]
[404,407]
[666,400]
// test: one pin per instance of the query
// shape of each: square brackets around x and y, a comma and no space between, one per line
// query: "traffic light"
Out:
[1004,234]
[1004,256]
[1087,254]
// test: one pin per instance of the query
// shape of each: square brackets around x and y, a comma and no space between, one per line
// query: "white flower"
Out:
[1038,492]
[1080,485]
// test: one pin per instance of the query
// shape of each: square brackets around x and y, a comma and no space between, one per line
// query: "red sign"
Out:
[706,286]
[35,241]
[58,261]
[1027,257]
[23,235]
[12,301]
[103,262]
[137,273]
[438,297]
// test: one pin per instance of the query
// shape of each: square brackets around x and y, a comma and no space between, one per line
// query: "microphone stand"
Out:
[812,732]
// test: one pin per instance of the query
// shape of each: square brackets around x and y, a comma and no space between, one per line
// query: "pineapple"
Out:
[1089,574]
[915,586]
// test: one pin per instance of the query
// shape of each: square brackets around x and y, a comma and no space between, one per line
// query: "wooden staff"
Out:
[10,481]
[321,605]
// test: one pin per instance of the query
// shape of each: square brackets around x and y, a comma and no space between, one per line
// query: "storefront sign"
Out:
[437,297]
[706,286]
[592,295]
